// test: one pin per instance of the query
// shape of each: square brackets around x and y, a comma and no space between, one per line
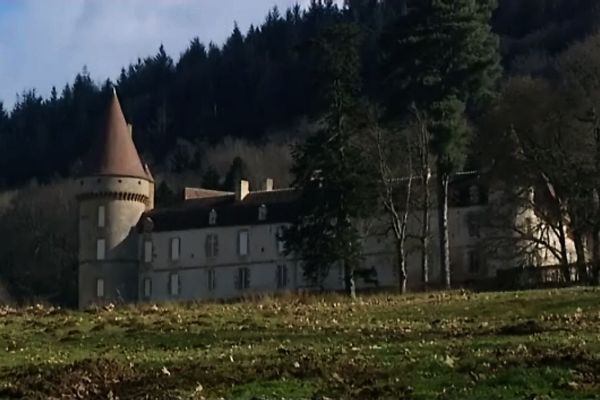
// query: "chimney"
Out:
[242,190]
[268,185]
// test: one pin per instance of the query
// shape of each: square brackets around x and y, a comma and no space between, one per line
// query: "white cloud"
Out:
[46,43]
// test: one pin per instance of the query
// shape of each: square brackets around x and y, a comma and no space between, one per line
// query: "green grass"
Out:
[459,345]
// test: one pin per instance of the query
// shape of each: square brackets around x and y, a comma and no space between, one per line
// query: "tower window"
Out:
[147,251]
[262,213]
[174,282]
[100,288]
[101,249]
[243,243]
[175,249]
[212,217]
[101,216]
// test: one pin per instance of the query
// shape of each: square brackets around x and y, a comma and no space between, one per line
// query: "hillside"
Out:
[533,345]
[258,82]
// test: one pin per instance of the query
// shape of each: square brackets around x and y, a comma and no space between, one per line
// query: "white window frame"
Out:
[243,278]
[101,216]
[282,276]
[100,288]
[148,249]
[212,245]
[280,241]
[147,288]
[174,285]
[175,249]
[262,212]
[100,249]
[211,277]
[243,242]
[212,217]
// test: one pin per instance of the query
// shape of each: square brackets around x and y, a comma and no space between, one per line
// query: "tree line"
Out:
[257,82]
[536,134]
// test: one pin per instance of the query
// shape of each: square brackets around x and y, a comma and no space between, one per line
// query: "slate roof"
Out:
[194,214]
[113,152]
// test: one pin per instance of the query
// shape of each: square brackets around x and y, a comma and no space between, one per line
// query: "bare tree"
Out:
[423,145]
[392,156]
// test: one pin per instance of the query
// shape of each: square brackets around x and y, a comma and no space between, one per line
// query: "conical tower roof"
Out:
[114,153]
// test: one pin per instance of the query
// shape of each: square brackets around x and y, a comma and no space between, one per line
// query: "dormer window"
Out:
[262,213]
[212,217]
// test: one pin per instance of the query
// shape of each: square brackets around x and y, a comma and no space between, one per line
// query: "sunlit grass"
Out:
[458,345]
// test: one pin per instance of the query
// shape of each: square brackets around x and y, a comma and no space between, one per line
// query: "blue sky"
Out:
[47,42]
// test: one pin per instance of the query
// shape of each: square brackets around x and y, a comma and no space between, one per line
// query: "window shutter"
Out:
[247,283]
[207,246]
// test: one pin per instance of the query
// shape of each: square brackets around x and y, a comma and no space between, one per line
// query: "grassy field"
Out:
[527,345]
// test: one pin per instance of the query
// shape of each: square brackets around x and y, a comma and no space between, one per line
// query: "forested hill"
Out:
[258,82]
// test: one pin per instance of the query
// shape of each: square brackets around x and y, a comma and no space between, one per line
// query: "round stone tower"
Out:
[114,190]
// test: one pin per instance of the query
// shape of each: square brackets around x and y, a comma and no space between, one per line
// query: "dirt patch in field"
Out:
[87,379]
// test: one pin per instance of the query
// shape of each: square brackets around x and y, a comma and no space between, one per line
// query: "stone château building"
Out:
[219,245]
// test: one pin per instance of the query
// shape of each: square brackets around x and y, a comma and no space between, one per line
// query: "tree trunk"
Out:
[443,227]
[425,230]
[562,240]
[580,250]
[349,278]
[596,254]
[402,274]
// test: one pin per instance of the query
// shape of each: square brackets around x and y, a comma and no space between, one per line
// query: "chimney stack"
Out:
[268,185]
[242,190]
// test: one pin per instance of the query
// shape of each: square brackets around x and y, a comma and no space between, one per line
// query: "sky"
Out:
[47,42]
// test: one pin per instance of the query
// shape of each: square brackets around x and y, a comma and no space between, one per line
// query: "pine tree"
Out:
[443,57]
[165,196]
[330,171]
[211,179]
[237,171]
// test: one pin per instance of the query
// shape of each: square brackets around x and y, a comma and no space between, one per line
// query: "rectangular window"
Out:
[280,241]
[101,217]
[174,285]
[100,288]
[147,288]
[474,264]
[101,249]
[211,278]
[147,251]
[175,249]
[212,246]
[243,243]
[243,279]
[281,276]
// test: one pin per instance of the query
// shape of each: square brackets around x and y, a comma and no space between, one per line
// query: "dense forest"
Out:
[259,82]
